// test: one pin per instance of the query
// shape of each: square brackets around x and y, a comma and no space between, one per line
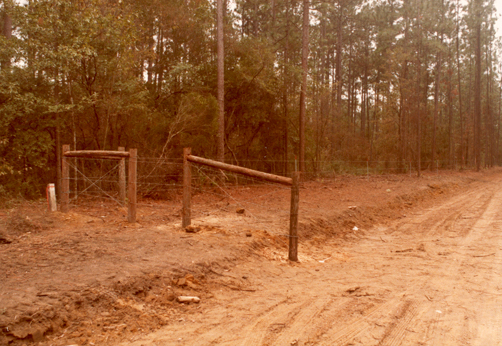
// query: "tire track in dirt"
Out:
[444,216]
[481,249]
[438,221]
[447,323]
[415,325]
[395,333]
[288,325]
[230,332]
[313,323]
[341,336]
[274,320]
[278,325]
[297,325]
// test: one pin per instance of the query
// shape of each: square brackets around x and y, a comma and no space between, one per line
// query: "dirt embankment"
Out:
[89,278]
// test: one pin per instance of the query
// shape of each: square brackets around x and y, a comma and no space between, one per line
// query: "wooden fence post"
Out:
[65,177]
[122,179]
[132,185]
[293,222]
[187,189]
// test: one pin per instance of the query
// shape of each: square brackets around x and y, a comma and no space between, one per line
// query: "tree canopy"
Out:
[393,81]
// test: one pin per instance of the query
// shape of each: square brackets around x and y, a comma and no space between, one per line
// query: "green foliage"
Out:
[101,74]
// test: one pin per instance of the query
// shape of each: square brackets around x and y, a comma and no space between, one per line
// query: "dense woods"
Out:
[333,84]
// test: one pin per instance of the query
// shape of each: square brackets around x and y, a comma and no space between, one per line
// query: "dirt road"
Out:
[390,260]
[430,278]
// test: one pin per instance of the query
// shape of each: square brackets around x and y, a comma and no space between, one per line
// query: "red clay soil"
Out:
[377,263]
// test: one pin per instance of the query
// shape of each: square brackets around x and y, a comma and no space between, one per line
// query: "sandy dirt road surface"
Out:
[431,278]
[383,261]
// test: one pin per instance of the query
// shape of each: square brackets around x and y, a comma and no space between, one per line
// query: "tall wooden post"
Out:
[122,178]
[187,189]
[293,222]
[132,185]
[65,180]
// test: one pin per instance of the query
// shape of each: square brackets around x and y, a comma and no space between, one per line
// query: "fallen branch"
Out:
[235,288]
[405,250]
[490,254]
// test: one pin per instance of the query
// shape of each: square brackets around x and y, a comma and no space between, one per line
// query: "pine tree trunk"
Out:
[489,117]
[221,85]
[285,93]
[451,146]
[436,109]
[477,91]
[403,102]
[461,115]
[338,77]
[303,95]
[417,95]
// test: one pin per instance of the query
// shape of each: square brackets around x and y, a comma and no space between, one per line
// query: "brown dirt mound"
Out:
[350,224]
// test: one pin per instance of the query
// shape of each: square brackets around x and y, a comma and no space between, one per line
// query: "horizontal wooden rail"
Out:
[241,170]
[106,154]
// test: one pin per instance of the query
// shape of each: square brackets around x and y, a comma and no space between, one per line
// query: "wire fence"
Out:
[162,179]
[248,200]
[372,167]
[315,169]
[94,179]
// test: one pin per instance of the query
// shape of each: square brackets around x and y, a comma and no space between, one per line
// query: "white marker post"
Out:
[51,198]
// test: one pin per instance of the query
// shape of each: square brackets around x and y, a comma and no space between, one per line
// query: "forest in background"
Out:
[390,82]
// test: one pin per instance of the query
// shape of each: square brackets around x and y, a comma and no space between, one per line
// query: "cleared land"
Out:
[391,260]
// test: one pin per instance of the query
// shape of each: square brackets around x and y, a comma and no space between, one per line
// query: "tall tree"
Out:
[303,95]
[418,98]
[221,81]
[477,83]
[459,85]
[439,62]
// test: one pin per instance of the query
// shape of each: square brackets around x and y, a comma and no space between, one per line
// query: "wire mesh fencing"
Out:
[239,200]
[159,178]
[94,179]
[216,192]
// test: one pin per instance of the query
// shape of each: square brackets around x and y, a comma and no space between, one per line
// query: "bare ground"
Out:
[391,260]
